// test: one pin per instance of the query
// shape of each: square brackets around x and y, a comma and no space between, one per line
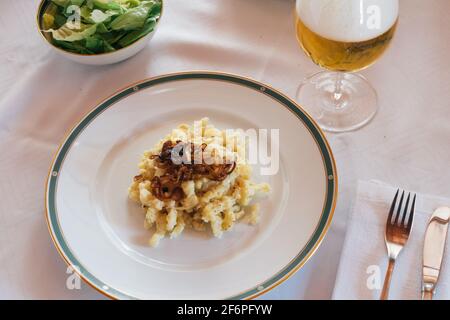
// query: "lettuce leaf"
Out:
[66,3]
[108,5]
[134,18]
[69,34]
[98,16]
[75,47]
[137,34]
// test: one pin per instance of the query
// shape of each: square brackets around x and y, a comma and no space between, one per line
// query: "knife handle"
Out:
[427,295]
[428,291]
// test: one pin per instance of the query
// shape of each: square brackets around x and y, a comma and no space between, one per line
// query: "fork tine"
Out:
[391,211]
[411,213]
[399,208]
[405,211]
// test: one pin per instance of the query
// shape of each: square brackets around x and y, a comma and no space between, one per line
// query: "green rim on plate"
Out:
[294,265]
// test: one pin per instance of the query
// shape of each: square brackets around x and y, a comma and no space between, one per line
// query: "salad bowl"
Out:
[99,57]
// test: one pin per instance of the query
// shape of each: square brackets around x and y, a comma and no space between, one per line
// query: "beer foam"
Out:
[348,20]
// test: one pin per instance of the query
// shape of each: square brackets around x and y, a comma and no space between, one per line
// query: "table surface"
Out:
[43,95]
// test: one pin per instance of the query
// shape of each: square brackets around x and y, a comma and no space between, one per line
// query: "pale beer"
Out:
[345,35]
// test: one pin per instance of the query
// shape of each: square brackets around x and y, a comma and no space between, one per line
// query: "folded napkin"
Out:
[364,257]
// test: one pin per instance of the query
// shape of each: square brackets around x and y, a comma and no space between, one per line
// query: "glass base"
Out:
[339,102]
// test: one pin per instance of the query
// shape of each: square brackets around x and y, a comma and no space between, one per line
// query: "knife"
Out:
[433,251]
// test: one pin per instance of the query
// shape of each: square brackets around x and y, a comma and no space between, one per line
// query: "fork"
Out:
[397,234]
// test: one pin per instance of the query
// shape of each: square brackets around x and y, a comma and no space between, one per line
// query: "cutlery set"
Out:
[398,228]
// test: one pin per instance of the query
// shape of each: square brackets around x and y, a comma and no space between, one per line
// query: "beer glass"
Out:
[343,36]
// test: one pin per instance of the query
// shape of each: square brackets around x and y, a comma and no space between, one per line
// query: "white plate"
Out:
[100,232]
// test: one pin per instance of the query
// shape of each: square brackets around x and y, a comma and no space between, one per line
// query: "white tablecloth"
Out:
[42,95]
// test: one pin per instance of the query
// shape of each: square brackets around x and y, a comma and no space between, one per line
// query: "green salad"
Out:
[99,26]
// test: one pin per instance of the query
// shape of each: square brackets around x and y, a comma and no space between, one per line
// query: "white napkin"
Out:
[364,257]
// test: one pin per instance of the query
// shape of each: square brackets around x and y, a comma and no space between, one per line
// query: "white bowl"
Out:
[101,58]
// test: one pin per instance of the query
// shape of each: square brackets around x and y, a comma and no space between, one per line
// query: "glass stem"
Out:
[337,94]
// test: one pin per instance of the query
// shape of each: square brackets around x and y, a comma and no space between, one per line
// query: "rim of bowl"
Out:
[38,23]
